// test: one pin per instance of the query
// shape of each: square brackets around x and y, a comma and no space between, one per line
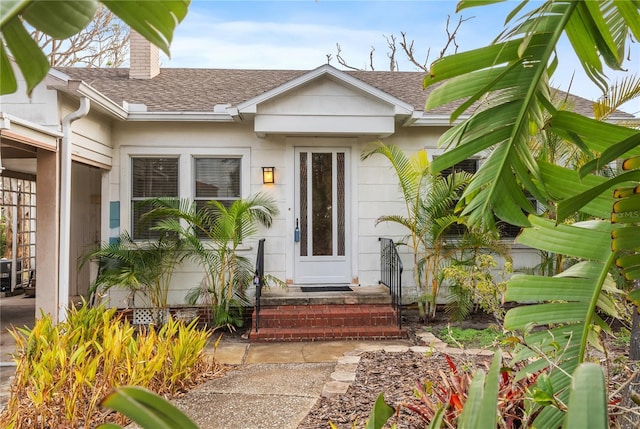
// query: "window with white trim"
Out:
[216,179]
[221,174]
[151,177]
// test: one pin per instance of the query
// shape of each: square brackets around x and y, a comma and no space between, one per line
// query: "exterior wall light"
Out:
[268,175]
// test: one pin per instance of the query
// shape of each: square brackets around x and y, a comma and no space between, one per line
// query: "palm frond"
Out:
[621,92]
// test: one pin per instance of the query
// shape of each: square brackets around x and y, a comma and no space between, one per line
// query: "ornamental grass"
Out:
[64,371]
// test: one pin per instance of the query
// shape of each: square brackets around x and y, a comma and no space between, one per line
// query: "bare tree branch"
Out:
[341,60]
[373,49]
[451,35]
[391,44]
[408,49]
[409,52]
[102,43]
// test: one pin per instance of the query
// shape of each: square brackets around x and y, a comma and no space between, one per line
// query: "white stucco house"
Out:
[95,141]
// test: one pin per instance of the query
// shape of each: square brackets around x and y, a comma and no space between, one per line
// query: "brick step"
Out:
[315,322]
[328,333]
[325,315]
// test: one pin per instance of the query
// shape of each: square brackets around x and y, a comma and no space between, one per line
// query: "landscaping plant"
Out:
[505,87]
[430,201]
[63,371]
[442,404]
[214,234]
[473,286]
[143,268]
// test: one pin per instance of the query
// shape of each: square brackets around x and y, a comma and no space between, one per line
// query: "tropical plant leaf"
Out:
[630,14]
[60,19]
[380,414]
[155,21]
[8,82]
[624,90]
[480,410]
[594,236]
[568,207]
[147,409]
[563,183]
[515,88]
[11,8]
[30,60]
[587,407]
[565,304]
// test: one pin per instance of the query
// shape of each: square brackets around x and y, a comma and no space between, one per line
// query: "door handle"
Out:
[296,232]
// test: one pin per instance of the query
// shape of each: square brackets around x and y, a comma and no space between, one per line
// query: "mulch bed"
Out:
[393,374]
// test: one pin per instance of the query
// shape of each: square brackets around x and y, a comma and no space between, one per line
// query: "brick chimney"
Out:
[144,61]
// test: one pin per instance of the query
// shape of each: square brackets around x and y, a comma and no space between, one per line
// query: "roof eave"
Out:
[79,88]
[180,117]
[422,119]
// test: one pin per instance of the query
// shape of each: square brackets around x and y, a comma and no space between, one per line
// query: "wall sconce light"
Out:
[268,175]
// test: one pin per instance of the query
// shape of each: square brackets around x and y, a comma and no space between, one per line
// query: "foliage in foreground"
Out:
[501,398]
[145,408]
[154,20]
[509,81]
[64,370]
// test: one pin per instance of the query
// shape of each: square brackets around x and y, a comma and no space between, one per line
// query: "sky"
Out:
[299,34]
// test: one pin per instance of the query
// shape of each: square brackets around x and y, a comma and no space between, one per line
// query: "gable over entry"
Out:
[325,101]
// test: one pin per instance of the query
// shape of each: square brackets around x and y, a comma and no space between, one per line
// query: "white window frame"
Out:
[186,172]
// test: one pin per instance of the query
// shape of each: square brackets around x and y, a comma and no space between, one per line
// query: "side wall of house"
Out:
[91,153]
[91,139]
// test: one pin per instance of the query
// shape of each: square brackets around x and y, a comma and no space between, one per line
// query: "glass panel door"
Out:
[321,191]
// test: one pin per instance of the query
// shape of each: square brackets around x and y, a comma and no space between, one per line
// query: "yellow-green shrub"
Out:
[64,370]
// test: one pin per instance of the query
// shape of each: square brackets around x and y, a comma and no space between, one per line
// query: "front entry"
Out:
[322,216]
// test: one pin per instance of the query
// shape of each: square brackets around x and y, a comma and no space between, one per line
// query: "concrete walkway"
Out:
[274,385]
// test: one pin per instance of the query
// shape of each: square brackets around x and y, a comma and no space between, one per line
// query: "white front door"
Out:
[322,215]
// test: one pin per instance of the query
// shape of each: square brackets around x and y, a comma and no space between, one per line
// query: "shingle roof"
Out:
[198,90]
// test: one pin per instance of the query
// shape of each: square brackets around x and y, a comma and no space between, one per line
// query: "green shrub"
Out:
[64,370]
[475,285]
[471,338]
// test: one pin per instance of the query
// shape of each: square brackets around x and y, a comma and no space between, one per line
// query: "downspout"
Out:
[65,207]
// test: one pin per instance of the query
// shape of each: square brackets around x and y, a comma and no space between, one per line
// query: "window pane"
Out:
[154,177]
[303,204]
[217,178]
[141,231]
[469,165]
[150,178]
[322,203]
[341,198]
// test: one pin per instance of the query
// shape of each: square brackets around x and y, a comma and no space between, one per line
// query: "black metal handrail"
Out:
[258,279]
[391,273]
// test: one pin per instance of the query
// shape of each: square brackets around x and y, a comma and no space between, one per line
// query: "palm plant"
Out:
[142,268]
[429,201]
[507,84]
[214,233]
